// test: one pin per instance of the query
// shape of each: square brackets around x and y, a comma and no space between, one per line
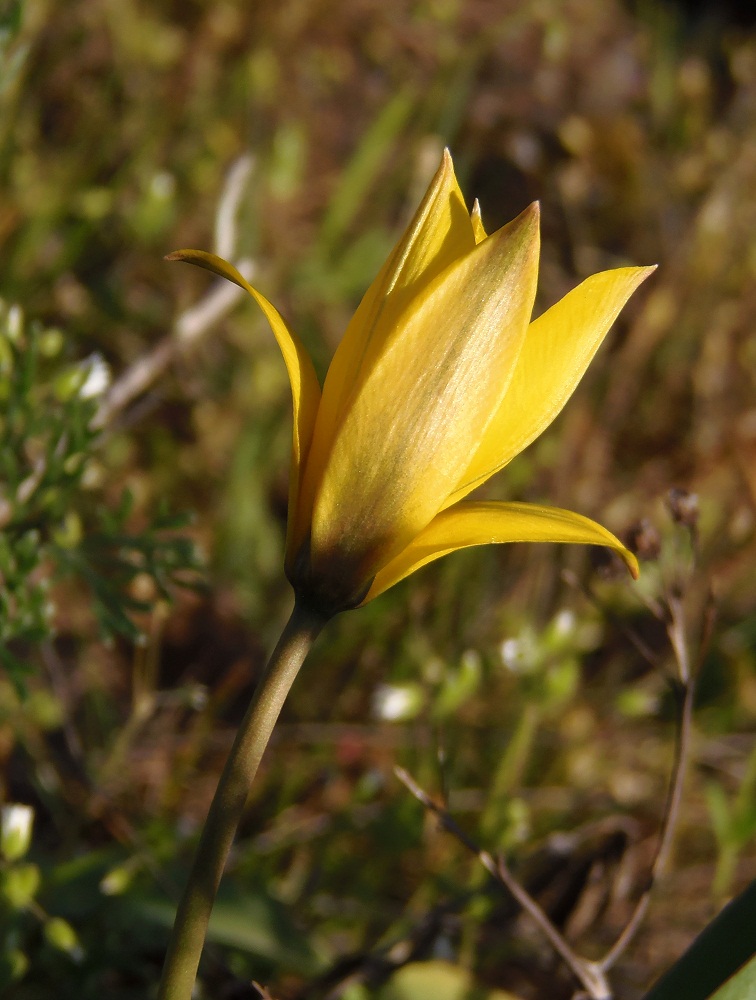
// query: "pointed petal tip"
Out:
[445,173]
[476,219]
[446,167]
[447,160]
[632,563]
[189,256]
[644,270]
[528,223]
[530,216]
[641,273]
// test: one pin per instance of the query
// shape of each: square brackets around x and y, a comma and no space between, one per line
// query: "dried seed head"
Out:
[683,507]
[643,539]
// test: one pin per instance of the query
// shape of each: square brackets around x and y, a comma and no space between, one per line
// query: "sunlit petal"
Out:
[485,523]
[557,350]
[407,436]
[477,223]
[439,233]
[305,388]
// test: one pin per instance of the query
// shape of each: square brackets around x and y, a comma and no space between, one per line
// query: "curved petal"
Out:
[558,348]
[408,435]
[439,234]
[488,523]
[305,388]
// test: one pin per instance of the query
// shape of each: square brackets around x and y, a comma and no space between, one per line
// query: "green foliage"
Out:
[110,559]
[21,883]
[246,919]
[733,820]
[54,522]
[12,53]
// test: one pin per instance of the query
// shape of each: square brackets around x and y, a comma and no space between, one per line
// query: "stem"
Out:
[188,936]
[685,689]
[669,826]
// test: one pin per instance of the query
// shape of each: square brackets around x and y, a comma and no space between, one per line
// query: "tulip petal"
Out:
[557,350]
[477,223]
[491,522]
[439,234]
[407,436]
[305,388]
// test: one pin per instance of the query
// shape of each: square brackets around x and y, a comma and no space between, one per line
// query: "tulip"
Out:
[440,380]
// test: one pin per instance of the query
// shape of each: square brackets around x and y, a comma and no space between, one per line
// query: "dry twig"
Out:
[587,973]
[195,322]
[592,975]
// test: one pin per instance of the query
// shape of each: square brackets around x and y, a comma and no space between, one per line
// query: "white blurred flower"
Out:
[15,835]
[97,378]
[564,622]
[520,655]
[15,323]
[396,702]
[162,185]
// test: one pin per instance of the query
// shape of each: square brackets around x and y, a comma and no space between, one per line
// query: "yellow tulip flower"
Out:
[439,381]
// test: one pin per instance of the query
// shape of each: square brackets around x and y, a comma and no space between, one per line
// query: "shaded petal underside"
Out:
[490,522]
[558,348]
[408,435]
[305,388]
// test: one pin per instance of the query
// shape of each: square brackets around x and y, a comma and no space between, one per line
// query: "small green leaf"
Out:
[14,965]
[19,885]
[437,981]
[62,936]
[719,810]
[10,16]
[249,921]
[458,686]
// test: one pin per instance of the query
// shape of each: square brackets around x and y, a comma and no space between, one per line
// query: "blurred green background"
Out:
[298,136]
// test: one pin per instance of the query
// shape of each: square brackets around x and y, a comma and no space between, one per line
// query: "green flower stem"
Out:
[188,937]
